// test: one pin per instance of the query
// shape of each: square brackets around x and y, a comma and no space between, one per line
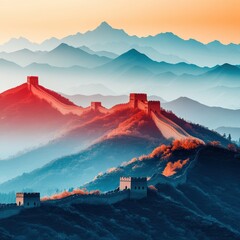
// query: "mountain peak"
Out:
[168,35]
[134,54]
[133,51]
[104,26]
[63,47]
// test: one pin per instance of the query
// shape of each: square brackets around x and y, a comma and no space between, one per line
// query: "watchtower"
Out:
[28,200]
[95,105]
[154,106]
[135,97]
[32,80]
[137,186]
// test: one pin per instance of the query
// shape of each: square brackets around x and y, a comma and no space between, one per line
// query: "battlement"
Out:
[28,200]
[138,96]
[30,195]
[136,185]
[135,97]
[95,105]
[154,106]
[133,179]
[139,101]
[32,80]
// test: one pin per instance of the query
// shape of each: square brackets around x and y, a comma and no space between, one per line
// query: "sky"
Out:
[204,20]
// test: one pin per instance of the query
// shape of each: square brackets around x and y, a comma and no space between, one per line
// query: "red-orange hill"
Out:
[23,110]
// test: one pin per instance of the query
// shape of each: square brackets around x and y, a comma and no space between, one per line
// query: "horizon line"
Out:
[120,29]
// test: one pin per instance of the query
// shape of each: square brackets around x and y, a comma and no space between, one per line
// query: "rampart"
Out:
[61,107]
[139,100]
[92,199]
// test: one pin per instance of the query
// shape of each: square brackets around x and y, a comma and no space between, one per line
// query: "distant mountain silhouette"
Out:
[212,117]
[225,70]
[99,53]
[233,131]
[57,57]
[107,38]
[132,70]
[133,58]
[75,56]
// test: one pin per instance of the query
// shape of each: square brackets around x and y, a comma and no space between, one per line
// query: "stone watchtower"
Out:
[28,200]
[135,97]
[136,185]
[95,105]
[32,81]
[140,101]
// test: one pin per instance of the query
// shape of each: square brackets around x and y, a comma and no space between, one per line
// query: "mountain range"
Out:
[161,47]
[130,72]
[196,198]
[91,135]
[212,117]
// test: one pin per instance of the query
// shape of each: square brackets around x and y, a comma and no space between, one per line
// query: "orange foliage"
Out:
[158,151]
[187,144]
[67,194]
[164,152]
[171,168]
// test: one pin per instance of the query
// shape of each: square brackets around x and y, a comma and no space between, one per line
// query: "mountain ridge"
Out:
[107,34]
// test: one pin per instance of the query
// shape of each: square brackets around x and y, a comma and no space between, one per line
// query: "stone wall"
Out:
[61,107]
[101,199]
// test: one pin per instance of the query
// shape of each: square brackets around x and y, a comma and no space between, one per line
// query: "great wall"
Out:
[169,129]
[130,188]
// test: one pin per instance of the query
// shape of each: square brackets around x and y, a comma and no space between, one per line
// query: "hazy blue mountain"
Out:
[212,117]
[67,56]
[99,53]
[49,44]
[161,47]
[16,44]
[103,34]
[61,56]
[224,70]
[155,55]
[7,65]
[133,58]
[130,72]
[223,96]
[234,131]
[22,57]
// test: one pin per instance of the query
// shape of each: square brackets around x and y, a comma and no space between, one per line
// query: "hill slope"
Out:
[27,121]
[206,206]
[212,117]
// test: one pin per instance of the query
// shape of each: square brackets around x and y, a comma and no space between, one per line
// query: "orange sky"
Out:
[204,20]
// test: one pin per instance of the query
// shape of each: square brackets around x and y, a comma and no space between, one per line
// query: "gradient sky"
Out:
[204,20]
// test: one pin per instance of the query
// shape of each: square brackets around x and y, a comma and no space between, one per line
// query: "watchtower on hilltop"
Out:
[95,105]
[153,106]
[135,97]
[140,101]
[136,185]
[28,200]
[32,81]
